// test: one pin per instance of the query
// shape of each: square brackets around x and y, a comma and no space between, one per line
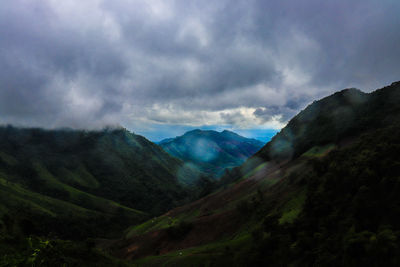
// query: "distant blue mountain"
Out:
[210,151]
[164,141]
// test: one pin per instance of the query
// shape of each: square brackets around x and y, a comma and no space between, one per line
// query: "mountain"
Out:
[325,191]
[85,183]
[341,116]
[165,141]
[210,151]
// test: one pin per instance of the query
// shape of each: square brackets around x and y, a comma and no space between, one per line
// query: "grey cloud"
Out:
[233,118]
[268,113]
[87,64]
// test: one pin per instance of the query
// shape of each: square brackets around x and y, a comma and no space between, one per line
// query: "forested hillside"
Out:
[85,183]
[327,194]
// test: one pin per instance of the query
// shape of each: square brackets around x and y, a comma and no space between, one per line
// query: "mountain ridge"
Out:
[106,174]
[311,196]
[210,151]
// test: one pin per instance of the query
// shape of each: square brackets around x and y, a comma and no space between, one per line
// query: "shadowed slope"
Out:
[323,191]
[89,179]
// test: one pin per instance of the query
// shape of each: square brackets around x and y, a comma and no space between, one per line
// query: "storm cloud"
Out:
[244,64]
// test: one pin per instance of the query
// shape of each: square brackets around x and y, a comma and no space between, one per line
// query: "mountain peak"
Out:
[351,89]
[395,83]
[228,132]
[211,151]
[317,124]
[197,132]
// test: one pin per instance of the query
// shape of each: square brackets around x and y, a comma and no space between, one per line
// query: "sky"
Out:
[160,67]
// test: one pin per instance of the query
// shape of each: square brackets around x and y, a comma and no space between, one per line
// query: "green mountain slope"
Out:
[343,115]
[85,183]
[323,192]
[210,151]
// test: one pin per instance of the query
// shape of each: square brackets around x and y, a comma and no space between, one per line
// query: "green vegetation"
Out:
[293,208]
[325,123]
[159,223]
[343,211]
[350,215]
[34,251]
[324,192]
[75,185]
[78,166]
[332,199]
[319,151]
[151,225]
[220,253]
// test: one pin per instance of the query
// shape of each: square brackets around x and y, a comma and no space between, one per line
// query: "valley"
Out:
[115,193]
[294,196]
[181,133]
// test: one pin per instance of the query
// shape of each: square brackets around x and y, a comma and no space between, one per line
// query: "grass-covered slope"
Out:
[332,202]
[84,183]
[210,151]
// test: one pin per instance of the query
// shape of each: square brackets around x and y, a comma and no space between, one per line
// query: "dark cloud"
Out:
[245,64]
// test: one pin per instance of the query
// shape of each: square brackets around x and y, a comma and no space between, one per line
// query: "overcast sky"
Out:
[161,67]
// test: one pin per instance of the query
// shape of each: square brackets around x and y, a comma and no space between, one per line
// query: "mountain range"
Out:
[323,192]
[211,152]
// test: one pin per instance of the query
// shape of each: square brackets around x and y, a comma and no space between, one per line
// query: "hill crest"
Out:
[210,151]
